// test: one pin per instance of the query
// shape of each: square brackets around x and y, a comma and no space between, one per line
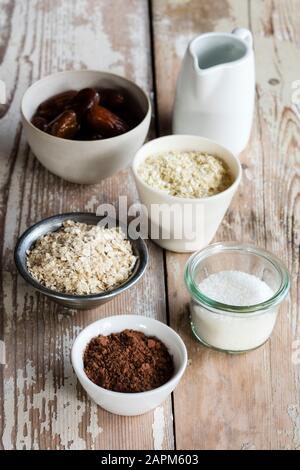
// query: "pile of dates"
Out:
[88,114]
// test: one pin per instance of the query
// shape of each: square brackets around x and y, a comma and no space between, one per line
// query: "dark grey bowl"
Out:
[51,224]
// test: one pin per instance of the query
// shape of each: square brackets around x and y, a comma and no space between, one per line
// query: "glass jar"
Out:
[231,328]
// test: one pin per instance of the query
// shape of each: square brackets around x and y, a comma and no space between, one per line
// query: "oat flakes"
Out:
[81,259]
[190,174]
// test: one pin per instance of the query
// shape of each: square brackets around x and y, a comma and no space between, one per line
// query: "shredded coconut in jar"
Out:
[231,331]
[235,288]
[190,174]
[81,259]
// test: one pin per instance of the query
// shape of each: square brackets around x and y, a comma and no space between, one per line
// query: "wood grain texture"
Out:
[249,401]
[43,406]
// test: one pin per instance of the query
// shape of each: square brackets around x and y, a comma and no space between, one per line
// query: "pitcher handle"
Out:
[244,34]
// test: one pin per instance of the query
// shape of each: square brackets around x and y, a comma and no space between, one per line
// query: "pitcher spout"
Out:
[245,35]
[212,50]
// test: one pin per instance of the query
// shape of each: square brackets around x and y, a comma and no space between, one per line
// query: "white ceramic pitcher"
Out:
[216,88]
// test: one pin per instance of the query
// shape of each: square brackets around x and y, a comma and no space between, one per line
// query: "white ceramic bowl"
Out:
[184,224]
[129,404]
[83,161]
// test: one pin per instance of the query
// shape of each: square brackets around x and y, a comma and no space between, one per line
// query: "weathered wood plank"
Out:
[250,401]
[43,405]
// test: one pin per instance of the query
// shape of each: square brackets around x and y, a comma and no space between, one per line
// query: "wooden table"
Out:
[224,402]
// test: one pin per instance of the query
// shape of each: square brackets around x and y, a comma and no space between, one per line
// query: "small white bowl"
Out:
[129,404]
[195,220]
[85,162]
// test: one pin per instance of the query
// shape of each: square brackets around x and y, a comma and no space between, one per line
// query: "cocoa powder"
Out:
[128,362]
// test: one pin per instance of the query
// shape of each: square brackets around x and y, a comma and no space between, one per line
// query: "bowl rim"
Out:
[177,199]
[79,371]
[23,271]
[82,142]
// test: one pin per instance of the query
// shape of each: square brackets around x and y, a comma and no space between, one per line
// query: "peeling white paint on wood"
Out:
[158,428]
[57,408]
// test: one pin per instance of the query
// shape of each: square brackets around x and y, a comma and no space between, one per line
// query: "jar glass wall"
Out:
[233,328]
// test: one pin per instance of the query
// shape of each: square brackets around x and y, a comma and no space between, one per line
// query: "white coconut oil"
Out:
[232,331]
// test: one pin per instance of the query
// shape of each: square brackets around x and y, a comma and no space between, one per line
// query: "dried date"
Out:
[53,106]
[65,125]
[111,99]
[105,122]
[40,123]
[87,114]
[84,100]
